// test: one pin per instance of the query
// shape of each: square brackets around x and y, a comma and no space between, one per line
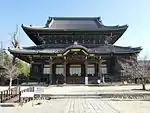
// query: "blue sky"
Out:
[135,13]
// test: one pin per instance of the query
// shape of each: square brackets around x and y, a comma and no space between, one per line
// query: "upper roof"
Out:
[73,26]
[74,23]
[79,23]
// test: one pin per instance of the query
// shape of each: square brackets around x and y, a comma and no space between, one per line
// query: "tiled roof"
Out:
[98,49]
[74,23]
[78,23]
[116,49]
[64,25]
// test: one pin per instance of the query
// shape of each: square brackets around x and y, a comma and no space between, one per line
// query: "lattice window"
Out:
[66,41]
[59,69]
[94,41]
[83,41]
[91,69]
[55,41]
[104,69]
[75,70]
[46,69]
[35,68]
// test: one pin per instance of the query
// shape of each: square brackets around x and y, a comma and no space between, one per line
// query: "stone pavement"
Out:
[66,90]
[78,105]
[84,105]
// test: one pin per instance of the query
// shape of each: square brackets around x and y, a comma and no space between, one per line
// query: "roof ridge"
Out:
[99,22]
[73,17]
[130,47]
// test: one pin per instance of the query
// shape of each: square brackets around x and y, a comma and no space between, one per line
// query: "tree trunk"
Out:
[10,83]
[17,81]
[143,84]
[143,87]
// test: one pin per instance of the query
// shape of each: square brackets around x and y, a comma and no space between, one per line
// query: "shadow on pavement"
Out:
[7,105]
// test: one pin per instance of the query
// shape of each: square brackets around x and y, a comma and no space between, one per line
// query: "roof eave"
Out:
[105,28]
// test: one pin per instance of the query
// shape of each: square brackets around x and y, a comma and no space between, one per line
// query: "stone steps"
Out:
[98,96]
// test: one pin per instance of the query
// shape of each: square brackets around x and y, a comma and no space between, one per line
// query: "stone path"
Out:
[78,105]
[83,105]
[64,106]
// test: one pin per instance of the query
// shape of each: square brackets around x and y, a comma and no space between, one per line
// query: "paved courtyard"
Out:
[78,105]
[94,89]
[82,104]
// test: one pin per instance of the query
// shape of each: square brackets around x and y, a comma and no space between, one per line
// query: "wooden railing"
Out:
[8,94]
[13,92]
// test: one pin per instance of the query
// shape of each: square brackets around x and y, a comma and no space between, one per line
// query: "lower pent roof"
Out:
[99,49]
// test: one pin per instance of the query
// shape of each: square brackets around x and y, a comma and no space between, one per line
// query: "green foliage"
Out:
[4,56]
[6,65]
[7,68]
[23,67]
[147,80]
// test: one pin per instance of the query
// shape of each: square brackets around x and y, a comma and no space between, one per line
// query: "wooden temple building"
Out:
[68,49]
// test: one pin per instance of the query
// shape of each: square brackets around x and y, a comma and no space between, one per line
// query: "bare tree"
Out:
[132,68]
[14,39]
[15,42]
[143,68]
[10,71]
[8,64]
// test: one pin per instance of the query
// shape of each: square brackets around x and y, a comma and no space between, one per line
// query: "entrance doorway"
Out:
[75,74]
[75,69]
[58,70]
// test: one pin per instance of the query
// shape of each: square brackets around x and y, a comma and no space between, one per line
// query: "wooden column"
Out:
[99,68]
[86,67]
[50,73]
[86,74]
[31,67]
[96,69]
[65,69]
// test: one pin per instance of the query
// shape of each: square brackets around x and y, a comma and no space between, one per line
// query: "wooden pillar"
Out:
[86,67]
[50,74]
[64,69]
[96,68]
[86,72]
[99,68]
[31,67]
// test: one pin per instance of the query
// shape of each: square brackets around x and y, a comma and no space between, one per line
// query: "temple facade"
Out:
[72,49]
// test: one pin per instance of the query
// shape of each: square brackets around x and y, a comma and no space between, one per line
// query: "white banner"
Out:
[86,80]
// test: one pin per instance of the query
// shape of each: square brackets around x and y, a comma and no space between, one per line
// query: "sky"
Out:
[134,13]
